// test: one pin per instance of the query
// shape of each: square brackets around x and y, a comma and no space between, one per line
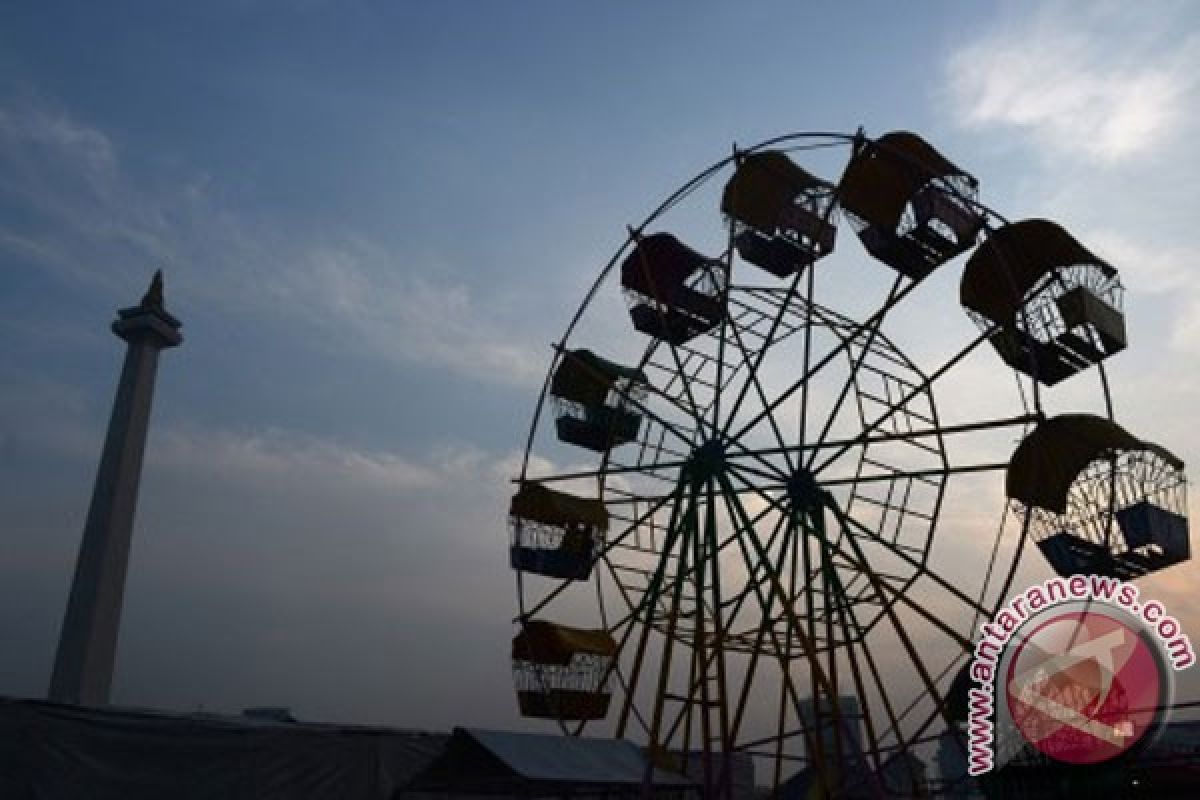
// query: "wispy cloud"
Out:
[301,459]
[407,318]
[88,152]
[97,226]
[1102,82]
[1154,267]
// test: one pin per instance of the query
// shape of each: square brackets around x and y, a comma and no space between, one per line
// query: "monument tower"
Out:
[83,666]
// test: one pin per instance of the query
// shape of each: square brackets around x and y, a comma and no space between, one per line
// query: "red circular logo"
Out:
[1084,687]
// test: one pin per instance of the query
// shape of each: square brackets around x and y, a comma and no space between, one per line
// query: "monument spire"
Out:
[83,666]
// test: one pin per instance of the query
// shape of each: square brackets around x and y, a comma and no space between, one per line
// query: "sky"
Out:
[375,218]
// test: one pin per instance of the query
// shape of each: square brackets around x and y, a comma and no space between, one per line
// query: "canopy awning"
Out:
[480,762]
[885,174]
[658,264]
[1050,458]
[52,750]
[763,185]
[545,642]
[1014,258]
[584,377]
[537,503]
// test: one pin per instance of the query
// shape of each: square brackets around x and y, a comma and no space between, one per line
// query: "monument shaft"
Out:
[83,666]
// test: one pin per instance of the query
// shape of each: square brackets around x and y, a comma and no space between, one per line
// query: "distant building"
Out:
[820,717]
[953,780]
[1166,767]
[902,775]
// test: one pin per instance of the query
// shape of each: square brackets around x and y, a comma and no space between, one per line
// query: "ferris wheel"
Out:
[745,531]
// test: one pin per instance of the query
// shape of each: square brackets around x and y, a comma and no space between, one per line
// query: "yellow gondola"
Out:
[560,671]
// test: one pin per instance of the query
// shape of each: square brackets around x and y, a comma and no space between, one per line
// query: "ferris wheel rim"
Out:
[675,496]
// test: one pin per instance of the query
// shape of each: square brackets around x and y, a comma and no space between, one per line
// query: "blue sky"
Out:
[375,217]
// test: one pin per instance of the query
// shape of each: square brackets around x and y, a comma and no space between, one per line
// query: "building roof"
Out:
[55,750]
[500,762]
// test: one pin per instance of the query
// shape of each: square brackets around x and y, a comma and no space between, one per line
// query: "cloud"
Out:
[1102,83]
[301,459]
[94,226]
[53,133]
[407,318]
[1149,267]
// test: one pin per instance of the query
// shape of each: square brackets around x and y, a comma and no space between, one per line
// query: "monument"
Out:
[83,666]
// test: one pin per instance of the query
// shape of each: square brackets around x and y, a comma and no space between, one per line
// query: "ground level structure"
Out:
[50,751]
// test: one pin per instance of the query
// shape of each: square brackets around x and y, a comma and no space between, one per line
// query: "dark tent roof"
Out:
[883,176]
[61,752]
[499,762]
[1011,262]
[763,185]
[1049,459]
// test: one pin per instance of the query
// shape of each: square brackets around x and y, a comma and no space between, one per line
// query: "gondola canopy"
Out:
[586,378]
[1048,461]
[884,175]
[538,503]
[1016,258]
[764,187]
[658,264]
[544,642]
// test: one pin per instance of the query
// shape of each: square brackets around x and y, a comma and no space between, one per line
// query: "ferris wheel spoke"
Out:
[847,612]
[793,631]
[686,574]
[849,522]
[564,584]
[649,597]
[856,331]
[766,606]
[688,530]
[857,678]
[776,321]
[890,612]
[760,633]
[807,362]
[651,470]
[955,662]
[743,522]
[882,590]
[725,325]
[917,434]
[851,378]
[923,386]
[614,668]
[752,579]
[895,473]
[844,609]
[693,409]
[752,377]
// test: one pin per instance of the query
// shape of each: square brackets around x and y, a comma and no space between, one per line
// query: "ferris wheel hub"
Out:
[707,460]
[805,494]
